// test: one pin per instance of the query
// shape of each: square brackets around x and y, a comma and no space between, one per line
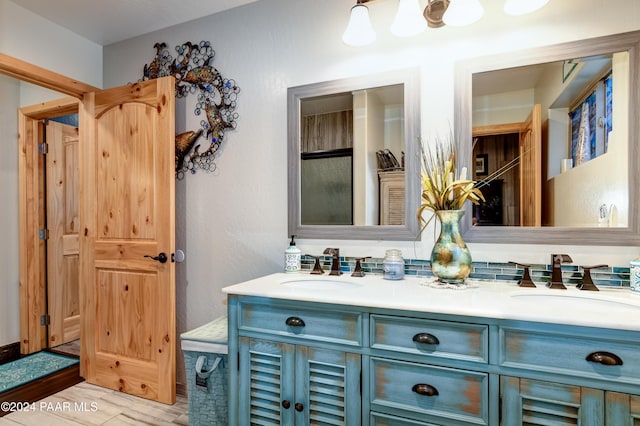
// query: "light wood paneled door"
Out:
[62,224]
[531,169]
[128,336]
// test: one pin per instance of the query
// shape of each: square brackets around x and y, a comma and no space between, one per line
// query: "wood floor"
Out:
[86,404]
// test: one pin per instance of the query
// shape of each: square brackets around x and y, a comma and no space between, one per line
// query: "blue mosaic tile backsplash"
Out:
[540,274]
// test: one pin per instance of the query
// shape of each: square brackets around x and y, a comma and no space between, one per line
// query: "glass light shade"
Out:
[359,30]
[462,12]
[409,20]
[520,7]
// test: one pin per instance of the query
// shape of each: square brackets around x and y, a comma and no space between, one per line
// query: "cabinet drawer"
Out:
[429,393]
[577,351]
[326,324]
[445,339]
[378,419]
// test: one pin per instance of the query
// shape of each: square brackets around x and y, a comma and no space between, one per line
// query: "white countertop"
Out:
[617,308]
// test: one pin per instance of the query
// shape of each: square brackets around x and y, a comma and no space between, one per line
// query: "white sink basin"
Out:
[578,299]
[321,284]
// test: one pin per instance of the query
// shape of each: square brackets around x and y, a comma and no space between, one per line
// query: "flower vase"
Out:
[450,258]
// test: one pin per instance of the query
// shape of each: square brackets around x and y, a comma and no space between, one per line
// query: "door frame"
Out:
[31,248]
[31,206]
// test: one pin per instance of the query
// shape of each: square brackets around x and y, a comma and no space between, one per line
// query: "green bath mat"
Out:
[32,367]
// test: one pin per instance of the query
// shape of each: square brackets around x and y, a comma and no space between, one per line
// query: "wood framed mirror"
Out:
[340,134]
[625,233]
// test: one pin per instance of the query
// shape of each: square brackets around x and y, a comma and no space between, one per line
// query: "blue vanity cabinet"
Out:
[289,384]
[427,371]
[527,401]
[559,374]
[297,363]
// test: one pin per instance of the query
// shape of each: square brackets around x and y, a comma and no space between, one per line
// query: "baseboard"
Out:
[9,352]
[181,389]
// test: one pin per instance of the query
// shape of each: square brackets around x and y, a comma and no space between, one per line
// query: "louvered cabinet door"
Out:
[327,387]
[622,409]
[284,384]
[266,382]
[537,402]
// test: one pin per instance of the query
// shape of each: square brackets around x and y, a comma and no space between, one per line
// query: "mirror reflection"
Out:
[550,143]
[587,173]
[351,150]
[353,157]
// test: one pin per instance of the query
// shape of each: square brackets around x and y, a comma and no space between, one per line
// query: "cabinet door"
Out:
[328,386]
[266,382]
[526,401]
[283,384]
[622,409]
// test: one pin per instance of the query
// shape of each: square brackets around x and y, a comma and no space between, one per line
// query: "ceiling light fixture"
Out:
[359,31]
[462,12]
[410,21]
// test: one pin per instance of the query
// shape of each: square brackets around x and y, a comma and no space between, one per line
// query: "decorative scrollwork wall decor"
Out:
[216,101]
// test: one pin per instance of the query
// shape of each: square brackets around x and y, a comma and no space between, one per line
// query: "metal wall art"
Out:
[216,100]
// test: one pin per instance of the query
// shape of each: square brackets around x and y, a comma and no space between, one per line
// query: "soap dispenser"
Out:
[292,257]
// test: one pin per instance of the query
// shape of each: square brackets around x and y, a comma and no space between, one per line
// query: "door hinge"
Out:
[45,319]
[44,234]
[43,148]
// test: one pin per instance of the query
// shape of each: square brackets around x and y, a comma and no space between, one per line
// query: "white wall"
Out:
[9,261]
[30,38]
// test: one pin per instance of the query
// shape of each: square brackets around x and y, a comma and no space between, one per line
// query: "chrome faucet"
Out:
[556,270]
[335,261]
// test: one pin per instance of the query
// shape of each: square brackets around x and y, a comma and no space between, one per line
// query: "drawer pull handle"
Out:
[604,358]
[286,404]
[295,322]
[425,390]
[299,407]
[427,338]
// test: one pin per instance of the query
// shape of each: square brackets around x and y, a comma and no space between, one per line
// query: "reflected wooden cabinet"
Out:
[391,197]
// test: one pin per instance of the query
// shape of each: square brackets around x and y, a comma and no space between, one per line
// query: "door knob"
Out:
[178,256]
[161,257]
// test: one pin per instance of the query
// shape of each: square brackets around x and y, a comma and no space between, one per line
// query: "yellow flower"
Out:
[444,187]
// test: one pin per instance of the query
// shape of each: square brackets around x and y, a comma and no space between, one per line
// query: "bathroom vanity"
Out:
[365,351]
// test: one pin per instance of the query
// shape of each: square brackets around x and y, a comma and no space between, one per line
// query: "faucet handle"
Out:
[335,252]
[561,258]
[526,280]
[587,283]
[357,271]
[317,268]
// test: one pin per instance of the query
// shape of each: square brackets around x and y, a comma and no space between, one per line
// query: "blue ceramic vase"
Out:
[450,258]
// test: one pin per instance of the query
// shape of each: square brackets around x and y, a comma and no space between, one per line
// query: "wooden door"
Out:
[531,169]
[62,224]
[128,336]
